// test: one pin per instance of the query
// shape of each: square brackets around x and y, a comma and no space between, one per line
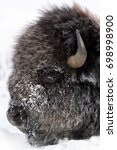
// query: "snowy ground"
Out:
[14,16]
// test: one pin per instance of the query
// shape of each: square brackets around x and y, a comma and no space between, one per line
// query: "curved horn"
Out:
[77,60]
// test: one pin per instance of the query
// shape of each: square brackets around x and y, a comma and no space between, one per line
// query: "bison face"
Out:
[50,97]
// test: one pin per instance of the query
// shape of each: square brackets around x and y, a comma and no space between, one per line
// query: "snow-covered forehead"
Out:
[25,92]
[35,93]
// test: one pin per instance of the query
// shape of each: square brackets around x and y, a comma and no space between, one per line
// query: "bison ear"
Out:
[78,60]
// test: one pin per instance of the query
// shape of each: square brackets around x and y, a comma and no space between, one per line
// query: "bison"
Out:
[55,82]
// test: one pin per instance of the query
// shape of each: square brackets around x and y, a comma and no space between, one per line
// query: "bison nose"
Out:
[16,115]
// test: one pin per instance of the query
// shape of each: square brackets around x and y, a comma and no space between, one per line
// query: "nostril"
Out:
[13,111]
[16,115]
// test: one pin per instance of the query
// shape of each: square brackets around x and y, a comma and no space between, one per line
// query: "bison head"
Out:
[54,85]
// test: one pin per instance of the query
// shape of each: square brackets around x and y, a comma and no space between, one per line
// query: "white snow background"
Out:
[15,15]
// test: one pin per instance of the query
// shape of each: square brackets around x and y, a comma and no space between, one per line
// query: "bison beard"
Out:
[50,99]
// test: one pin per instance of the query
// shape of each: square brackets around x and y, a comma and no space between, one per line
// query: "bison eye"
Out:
[46,76]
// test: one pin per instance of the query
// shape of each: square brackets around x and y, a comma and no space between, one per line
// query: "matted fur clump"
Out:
[50,100]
